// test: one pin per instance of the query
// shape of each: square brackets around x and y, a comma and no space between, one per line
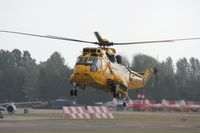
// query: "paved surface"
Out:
[53,120]
[57,125]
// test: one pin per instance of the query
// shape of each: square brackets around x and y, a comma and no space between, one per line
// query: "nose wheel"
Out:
[126,100]
[73,92]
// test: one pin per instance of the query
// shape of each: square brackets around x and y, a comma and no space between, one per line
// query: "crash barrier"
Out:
[76,112]
[100,112]
[89,112]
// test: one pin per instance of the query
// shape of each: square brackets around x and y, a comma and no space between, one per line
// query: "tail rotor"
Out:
[156,81]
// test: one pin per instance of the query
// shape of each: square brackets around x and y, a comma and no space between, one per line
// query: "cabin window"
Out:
[99,64]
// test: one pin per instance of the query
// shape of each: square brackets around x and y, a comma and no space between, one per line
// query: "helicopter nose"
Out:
[82,69]
[82,75]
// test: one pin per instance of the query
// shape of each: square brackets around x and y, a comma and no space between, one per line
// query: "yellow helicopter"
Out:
[100,67]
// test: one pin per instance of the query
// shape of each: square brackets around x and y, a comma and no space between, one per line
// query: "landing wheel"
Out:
[113,89]
[125,100]
[114,95]
[119,94]
[124,104]
[73,92]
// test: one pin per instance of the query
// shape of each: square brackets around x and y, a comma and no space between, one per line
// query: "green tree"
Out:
[53,77]
[12,79]
[31,77]
[167,83]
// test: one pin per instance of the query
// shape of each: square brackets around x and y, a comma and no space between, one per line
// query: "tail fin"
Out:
[147,75]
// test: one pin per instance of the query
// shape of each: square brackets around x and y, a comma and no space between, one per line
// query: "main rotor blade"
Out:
[101,41]
[98,37]
[49,36]
[159,41]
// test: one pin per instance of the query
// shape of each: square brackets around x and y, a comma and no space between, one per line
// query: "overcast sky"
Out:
[116,20]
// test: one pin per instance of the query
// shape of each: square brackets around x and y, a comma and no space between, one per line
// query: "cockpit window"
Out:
[86,61]
[95,62]
[80,59]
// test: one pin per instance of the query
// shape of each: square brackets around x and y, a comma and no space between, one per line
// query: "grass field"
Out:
[53,121]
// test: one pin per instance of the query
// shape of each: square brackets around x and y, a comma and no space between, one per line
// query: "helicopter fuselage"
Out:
[98,68]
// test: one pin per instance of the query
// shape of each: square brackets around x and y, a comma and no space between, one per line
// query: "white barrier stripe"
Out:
[73,116]
[73,110]
[64,109]
[110,116]
[67,111]
[106,109]
[90,109]
[88,115]
[98,109]
[81,109]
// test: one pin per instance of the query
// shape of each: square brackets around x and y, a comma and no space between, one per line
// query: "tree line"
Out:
[22,79]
